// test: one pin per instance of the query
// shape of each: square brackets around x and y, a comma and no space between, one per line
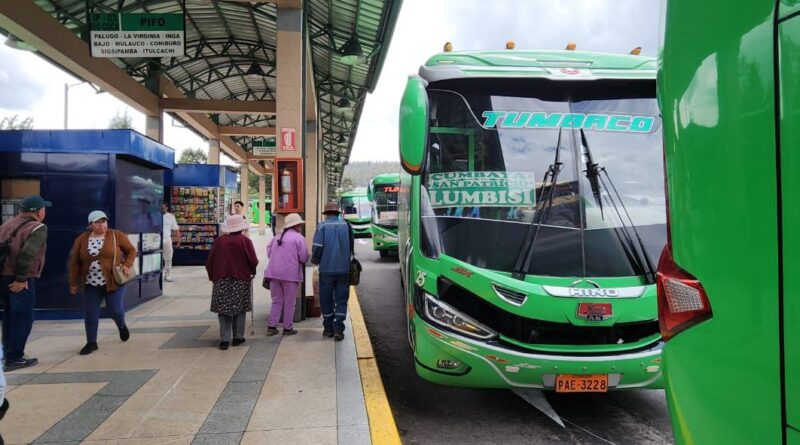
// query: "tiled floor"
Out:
[170,384]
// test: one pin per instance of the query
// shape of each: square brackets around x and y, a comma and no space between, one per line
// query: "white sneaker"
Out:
[168,279]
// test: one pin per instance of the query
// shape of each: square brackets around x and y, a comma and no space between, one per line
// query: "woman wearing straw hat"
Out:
[287,255]
[94,255]
[231,266]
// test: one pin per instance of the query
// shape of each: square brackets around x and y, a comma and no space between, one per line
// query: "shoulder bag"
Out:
[120,277]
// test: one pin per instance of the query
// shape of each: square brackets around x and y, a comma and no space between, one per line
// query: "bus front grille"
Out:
[540,332]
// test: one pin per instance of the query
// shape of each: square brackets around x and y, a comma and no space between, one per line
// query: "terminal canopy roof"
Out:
[231,55]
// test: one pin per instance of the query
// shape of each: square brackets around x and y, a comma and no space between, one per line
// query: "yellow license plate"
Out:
[582,383]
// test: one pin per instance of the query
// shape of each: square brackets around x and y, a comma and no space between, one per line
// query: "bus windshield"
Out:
[578,162]
[355,207]
[384,210]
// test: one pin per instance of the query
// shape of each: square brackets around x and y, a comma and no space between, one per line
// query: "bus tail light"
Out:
[682,301]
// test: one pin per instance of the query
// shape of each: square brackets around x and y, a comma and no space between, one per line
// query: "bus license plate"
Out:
[582,383]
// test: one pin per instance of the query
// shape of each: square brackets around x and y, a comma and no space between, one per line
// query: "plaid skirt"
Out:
[231,297]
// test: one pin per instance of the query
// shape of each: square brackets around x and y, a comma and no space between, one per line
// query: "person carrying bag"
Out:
[287,255]
[101,263]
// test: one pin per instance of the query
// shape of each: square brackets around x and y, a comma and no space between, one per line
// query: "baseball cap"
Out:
[97,215]
[33,203]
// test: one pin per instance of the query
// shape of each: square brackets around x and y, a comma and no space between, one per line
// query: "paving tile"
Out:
[351,409]
[218,439]
[50,403]
[354,435]
[305,436]
[300,390]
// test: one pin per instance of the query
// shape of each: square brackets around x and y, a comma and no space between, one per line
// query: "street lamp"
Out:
[67,86]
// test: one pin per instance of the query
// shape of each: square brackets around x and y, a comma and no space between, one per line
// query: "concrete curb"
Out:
[382,426]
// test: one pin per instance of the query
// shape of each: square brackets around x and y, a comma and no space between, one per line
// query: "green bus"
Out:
[729,86]
[254,213]
[532,217]
[382,193]
[356,210]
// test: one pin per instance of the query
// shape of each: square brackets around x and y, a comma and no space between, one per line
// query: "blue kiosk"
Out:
[200,195]
[118,171]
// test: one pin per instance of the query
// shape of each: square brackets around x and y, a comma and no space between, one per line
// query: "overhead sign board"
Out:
[137,35]
[264,147]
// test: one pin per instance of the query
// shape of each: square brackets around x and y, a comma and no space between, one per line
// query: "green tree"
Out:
[13,123]
[347,185]
[123,122]
[193,156]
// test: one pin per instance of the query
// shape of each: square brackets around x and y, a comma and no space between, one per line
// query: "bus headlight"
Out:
[445,315]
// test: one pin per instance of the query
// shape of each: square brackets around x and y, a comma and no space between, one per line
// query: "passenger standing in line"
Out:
[169,227]
[231,266]
[333,246]
[287,254]
[94,255]
[27,238]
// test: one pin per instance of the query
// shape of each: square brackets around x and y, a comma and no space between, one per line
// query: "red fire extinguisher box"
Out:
[288,178]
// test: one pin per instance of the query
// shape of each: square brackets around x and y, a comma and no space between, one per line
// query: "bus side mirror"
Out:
[413,125]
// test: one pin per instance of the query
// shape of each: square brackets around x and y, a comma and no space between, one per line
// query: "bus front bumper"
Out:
[450,359]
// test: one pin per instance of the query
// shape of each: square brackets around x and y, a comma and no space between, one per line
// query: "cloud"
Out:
[20,90]
[615,26]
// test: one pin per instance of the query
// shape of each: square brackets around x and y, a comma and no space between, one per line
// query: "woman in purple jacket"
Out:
[287,255]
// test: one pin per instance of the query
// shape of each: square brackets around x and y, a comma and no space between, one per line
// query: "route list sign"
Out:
[137,35]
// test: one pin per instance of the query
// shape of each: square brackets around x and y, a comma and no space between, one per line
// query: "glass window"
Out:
[546,178]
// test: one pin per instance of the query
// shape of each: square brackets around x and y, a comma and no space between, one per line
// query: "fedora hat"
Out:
[332,207]
[293,219]
[234,223]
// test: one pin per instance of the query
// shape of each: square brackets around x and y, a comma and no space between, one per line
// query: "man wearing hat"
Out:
[332,248]
[26,238]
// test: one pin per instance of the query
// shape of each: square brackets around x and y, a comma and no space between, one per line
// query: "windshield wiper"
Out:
[536,222]
[593,174]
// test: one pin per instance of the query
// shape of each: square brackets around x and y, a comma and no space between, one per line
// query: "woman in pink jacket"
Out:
[287,254]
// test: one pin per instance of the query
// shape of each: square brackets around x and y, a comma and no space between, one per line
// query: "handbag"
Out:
[355,271]
[265,283]
[120,277]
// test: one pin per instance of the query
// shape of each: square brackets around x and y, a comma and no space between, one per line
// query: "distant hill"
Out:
[361,172]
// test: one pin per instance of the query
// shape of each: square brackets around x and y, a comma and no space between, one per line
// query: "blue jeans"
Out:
[333,294]
[17,317]
[92,297]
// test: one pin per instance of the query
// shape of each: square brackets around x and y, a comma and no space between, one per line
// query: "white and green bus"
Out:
[382,194]
[531,219]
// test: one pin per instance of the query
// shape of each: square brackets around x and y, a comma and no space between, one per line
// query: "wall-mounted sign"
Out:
[288,139]
[137,35]
[264,147]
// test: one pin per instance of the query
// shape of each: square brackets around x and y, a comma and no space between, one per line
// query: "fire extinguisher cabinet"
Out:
[288,184]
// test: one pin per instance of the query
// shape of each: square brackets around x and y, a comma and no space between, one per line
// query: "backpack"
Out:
[5,246]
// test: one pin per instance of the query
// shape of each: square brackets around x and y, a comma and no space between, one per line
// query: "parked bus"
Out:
[730,91]
[382,193]
[532,216]
[356,210]
[254,213]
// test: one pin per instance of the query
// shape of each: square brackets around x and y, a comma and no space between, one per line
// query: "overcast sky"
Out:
[31,87]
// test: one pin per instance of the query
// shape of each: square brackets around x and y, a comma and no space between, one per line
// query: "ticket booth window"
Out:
[11,193]
[289,185]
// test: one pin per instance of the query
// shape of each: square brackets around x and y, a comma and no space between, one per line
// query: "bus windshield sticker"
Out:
[542,120]
[482,189]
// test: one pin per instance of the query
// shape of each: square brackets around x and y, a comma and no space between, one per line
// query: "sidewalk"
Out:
[170,384]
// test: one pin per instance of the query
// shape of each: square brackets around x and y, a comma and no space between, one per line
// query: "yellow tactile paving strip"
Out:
[382,426]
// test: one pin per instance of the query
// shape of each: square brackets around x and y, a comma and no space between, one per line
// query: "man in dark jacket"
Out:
[23,265]
[333,246]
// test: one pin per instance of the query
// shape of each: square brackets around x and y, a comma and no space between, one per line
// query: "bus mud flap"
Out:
[536,398]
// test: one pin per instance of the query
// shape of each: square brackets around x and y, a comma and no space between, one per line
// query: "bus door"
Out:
[789,88]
